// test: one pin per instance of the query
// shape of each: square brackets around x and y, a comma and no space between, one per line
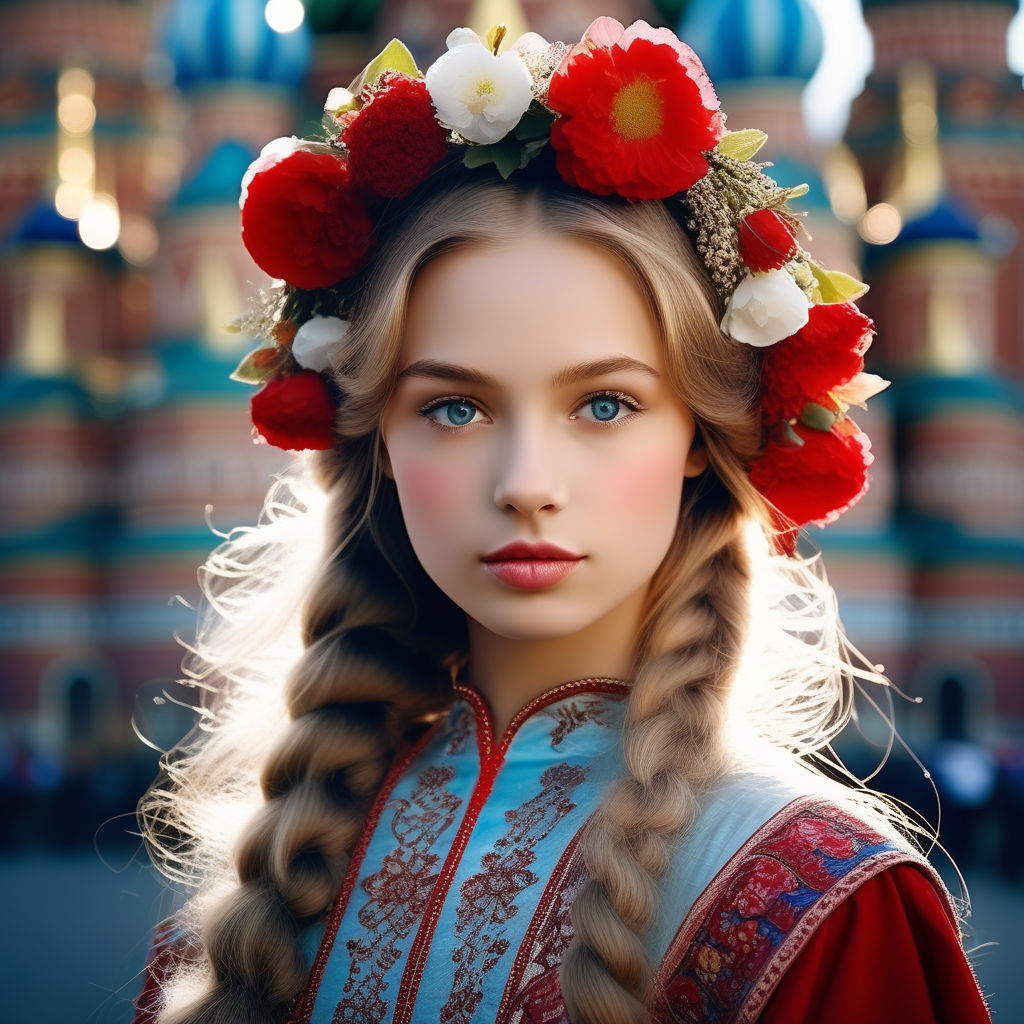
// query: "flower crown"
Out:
[628,112]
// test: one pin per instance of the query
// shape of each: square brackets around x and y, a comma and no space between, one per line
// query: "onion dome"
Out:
[868,5]
[43,225]
[747,39]
[947,221]
[218,40]
[216,182]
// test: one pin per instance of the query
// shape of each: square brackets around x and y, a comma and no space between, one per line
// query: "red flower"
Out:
[819,480]
[395,140]
[303,221]
[638,112]
[766,241]
[296,412]
[827,352]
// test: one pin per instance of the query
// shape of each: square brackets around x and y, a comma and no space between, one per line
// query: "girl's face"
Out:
[537,448]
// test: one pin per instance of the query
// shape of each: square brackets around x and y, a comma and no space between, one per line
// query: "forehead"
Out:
[527,307]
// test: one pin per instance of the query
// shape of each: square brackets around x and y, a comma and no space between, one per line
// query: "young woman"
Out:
[524,734]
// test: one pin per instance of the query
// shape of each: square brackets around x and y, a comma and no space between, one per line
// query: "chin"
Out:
[537,623]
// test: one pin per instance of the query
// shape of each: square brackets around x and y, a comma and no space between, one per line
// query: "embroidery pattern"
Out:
[533,994]
[398,893]
[790,870]
[488,898]
[574,714]
[732,939]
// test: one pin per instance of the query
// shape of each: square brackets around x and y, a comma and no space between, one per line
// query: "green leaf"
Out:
[817,417]
[506,155]
[394,57]
[532,149]
[261,364]
[535,124]
[835,286]
[791,435]
[742,145]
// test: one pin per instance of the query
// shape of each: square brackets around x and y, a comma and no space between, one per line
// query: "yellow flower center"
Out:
[481,95]
[636,110]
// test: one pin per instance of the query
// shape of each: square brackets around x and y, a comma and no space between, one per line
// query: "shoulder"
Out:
[890,953]
[752,826]
[789,867]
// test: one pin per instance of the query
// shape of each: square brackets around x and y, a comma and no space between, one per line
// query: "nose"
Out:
[529,478]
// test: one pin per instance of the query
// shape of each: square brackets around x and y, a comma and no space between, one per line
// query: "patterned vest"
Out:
[456,904]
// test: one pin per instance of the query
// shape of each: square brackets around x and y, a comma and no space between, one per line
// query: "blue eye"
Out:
[607,407]
[604,407]
[453,412]
[459,413]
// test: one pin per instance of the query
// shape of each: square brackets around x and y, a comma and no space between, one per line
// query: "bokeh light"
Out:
[77,114]
[100,223]
[76,164]
[284,15]
[71,198]
[880,224]
[139,239]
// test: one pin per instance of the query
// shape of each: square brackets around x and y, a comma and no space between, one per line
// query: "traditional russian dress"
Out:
[778,906]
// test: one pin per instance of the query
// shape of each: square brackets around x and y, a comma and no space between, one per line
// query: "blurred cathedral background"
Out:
[125,128]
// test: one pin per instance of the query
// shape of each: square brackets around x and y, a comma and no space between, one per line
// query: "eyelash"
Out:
[627,400]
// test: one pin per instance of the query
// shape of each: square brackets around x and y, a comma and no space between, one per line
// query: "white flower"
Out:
[765,308]
[316,340]
[477,94]
[272,153]
[338,101]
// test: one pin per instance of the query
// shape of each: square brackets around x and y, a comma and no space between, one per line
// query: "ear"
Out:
[696,458]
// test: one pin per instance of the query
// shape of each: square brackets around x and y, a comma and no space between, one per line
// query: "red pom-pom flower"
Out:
[395,140]
[304,221]
[638,112]
[823,355]
[817,480]
[766,241]
[295,413]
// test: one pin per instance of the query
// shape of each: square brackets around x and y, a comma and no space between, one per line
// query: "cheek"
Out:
[646,483]
[432,490]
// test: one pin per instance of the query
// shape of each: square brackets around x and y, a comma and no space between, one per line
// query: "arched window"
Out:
[952,709]
[80,711]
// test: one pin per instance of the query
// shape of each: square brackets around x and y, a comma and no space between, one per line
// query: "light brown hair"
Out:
[380,643]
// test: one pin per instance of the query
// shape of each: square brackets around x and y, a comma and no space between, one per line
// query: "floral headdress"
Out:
[628,112]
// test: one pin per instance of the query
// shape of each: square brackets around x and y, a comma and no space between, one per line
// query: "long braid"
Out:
[354,693]
[376,659]
[672,751]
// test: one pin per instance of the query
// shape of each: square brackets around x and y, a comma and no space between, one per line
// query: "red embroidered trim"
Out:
[491,759]
[794,943]
[533,979]
[307,1000]
[688,958]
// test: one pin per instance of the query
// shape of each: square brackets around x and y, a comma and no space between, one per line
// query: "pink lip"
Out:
[530,566]
[522,549]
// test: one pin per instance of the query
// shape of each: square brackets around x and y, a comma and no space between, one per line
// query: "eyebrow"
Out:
[436,369]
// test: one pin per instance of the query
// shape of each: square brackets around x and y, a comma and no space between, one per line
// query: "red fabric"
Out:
[885,955]
[168,951]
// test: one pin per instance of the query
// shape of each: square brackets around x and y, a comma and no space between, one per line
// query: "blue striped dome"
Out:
[743,39]
[213,40]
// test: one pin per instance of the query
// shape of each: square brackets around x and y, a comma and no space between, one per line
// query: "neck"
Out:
[510,671]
